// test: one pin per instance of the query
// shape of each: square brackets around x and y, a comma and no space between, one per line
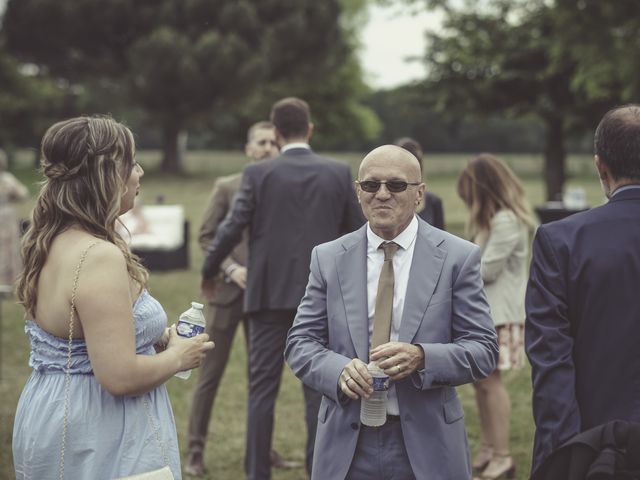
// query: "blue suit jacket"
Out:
[583,322]
[445,312]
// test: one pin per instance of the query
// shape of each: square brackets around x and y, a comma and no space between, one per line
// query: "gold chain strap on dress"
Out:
[67,378]
[67,381]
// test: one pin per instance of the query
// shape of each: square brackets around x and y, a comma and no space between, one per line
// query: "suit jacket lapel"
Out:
[428,258]
[351,267]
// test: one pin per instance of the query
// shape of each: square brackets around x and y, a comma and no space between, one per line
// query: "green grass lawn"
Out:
[225,449]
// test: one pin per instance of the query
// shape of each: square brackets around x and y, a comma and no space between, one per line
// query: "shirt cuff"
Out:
[230,269]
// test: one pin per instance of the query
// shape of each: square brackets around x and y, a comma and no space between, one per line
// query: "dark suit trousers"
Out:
[267,337]
[222,323]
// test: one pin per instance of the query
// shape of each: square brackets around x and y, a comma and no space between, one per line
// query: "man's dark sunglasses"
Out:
[394,186]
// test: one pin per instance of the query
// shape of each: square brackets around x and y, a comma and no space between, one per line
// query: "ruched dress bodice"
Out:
[107,436]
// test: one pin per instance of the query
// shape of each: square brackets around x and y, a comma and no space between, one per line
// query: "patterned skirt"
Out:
[511,342]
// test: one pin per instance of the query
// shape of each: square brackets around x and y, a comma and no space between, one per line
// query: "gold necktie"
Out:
[384,297]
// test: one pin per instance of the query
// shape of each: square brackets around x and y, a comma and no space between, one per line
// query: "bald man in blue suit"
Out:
[441,335]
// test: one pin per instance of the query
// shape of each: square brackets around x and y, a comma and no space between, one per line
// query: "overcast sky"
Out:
[393,34]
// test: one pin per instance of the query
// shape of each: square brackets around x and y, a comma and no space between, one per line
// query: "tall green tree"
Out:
[333,86]
[179,60]
[604,40]
[27,101]
[517,58]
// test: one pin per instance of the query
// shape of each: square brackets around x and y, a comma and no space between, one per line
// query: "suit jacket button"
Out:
[355,426]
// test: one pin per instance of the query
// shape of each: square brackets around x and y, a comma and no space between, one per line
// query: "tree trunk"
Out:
[554,157]
[173,147]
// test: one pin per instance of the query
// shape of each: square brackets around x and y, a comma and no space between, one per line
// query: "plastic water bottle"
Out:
[373,411]
[190,324]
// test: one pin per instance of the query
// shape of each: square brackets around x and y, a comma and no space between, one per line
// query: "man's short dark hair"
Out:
[291,117]
[263,125]
[617,141]
[412,146]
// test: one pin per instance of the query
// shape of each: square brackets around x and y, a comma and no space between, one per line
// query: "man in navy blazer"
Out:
[583,301]
[441,335]
[290,204]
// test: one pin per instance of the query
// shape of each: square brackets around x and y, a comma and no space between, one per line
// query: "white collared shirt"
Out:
[401,266]
[289,146]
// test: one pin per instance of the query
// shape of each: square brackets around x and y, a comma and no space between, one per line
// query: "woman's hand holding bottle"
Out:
[189,352]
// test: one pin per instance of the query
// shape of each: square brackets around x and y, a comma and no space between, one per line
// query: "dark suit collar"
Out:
[297,152]
[628,194]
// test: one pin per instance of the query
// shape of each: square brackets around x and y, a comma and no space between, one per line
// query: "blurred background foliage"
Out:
[502,75]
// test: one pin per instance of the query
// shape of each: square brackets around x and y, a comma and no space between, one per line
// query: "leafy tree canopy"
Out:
[558,60]
[183,60]
[26,103]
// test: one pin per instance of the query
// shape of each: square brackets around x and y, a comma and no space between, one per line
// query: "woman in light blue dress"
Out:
[102,411]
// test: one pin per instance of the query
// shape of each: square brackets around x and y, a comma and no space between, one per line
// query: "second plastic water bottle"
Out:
[373,411]
[190,324]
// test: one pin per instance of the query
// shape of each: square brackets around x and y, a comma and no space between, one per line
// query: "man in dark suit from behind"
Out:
[290,204]
[430,208]
[224,313]
[583,308]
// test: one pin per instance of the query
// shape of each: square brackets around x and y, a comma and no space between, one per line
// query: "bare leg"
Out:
[484,454]
[498,412]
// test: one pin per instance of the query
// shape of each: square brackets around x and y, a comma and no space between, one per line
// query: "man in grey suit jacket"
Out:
[291,204]
[441,335]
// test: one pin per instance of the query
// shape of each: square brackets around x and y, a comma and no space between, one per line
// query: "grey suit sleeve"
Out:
[306,351]
[218,208]
[229,233]
[472,353]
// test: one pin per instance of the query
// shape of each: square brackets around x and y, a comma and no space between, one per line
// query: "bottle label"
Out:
[380,384]
[188,329]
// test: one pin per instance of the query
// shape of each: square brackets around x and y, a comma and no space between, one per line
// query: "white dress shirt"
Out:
[289,146]
[401,266]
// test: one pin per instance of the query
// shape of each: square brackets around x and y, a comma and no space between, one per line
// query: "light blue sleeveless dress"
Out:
[107,437]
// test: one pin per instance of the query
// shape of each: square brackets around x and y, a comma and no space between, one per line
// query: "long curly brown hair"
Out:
[87,162]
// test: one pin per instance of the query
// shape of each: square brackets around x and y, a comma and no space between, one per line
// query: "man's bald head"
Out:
[389,211]
[392,154]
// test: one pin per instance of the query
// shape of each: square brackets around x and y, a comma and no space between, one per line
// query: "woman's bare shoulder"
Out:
[70,247]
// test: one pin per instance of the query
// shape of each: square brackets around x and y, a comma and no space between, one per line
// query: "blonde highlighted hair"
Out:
[487,185]
[87,162]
